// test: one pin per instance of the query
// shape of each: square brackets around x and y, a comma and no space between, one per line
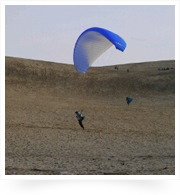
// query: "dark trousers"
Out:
[80,123]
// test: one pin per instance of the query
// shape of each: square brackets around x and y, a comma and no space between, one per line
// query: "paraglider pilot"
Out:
[80,118]
[128,100]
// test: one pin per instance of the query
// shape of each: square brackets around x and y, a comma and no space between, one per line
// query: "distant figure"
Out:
[127,70]
[80,118]
[128,100]
[116,67]
[166,68]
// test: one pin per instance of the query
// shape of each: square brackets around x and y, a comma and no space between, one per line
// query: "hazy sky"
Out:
[49,32]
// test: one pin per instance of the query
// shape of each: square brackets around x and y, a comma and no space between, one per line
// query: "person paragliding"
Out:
[91,44]
[80,118]
[128,100]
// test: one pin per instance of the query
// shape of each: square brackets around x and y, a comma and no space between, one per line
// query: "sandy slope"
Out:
[44,137]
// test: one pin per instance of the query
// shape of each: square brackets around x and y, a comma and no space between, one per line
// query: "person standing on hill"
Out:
[80,118]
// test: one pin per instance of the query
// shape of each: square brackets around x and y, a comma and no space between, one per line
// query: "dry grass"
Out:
[43,136]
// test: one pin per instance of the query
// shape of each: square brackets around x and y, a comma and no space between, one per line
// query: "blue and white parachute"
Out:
[91,44]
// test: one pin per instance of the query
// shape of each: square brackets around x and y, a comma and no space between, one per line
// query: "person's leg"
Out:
[80,123]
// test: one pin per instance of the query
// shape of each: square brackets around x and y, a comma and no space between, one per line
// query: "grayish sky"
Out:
[49,32]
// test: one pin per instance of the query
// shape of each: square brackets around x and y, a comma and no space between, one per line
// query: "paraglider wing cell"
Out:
[91,44]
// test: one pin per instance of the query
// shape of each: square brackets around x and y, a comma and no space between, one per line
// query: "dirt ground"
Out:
[43,137]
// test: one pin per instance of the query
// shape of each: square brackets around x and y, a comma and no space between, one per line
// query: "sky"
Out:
[49,32]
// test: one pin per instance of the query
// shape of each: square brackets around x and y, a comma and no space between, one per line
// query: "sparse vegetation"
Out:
[42,135]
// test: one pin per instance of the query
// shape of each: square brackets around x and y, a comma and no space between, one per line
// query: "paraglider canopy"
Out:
[91,44]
